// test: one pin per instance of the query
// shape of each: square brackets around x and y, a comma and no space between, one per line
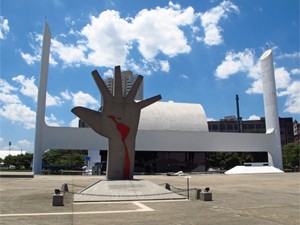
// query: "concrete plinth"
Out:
[58,200]
[205,196]
[124,190]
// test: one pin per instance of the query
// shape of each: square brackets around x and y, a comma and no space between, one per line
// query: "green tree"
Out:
[71,159]
[21,161]
[9,161]
[291,156]
[227,160]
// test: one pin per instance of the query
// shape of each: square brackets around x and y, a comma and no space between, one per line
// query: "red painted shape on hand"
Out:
[124,131]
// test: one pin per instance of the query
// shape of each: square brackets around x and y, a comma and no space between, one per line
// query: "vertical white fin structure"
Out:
[270,106]
[41,102]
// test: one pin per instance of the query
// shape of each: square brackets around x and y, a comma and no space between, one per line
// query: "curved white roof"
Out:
[171,116]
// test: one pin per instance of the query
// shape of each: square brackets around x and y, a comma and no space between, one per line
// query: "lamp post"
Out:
[9,147]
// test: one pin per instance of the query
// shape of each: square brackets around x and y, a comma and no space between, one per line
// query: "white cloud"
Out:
[52,121]
[6,87]
[6,97]
[289,55]
[165,65]
[210,22]
[109,39]
[24,144]
[253,117]
[295,71]
[4,28]
[158,31]
[84,99]
[74,122]
[246,63]
[66,95]
[69,54]
[19,113]
[14,110]
[282,78]
[210,119]
[184,76]
[108,73]
[237,62]
[30,59]
[29,88]
[293,100]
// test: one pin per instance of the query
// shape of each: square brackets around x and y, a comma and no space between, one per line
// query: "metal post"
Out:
[188,186]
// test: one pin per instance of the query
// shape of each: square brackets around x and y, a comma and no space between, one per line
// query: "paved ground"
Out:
[267,199]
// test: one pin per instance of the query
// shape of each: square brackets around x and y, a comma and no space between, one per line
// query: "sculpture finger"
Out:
[101,86]
[148,101]
[118,84]
[91,117]
[134,89]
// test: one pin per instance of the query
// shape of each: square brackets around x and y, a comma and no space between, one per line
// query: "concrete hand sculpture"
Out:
[118,121]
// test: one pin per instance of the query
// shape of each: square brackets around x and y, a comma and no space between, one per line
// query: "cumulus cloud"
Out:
[247,63]
[109,39]
[295,71]
[165,66]
[84,99]
[237,62]
[53,121]
[29,88]
[210,22]
[293,100]
[74,122]
[19,113]
[4,28]
[289,55]
[14,110]
[158,31]
[253,117]
[24,144]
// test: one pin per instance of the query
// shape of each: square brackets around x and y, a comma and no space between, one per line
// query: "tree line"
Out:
[71,159]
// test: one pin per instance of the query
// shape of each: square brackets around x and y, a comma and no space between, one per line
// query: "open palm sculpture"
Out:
[118,121]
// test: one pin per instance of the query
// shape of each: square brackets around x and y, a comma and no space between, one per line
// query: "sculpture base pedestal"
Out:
[124,190]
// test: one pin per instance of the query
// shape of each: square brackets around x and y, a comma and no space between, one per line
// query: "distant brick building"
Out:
[230,124]
[296,128]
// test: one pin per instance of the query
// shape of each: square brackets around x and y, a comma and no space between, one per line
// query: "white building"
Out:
[128,79]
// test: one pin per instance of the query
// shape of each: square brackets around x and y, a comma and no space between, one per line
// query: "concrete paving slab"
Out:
[260,199]
[124,190]
[8,174]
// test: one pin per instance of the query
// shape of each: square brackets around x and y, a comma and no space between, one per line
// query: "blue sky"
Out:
[194,51]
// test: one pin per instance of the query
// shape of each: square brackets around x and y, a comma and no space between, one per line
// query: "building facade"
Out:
[296,128]
[128,79]
[230,124]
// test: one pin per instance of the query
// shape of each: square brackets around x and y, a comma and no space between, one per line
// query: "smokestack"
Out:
[238,114]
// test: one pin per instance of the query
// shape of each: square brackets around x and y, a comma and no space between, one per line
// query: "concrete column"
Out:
[41,103]
[270,106]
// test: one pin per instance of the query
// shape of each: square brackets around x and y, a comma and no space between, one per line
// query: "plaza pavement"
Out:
[266,199]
